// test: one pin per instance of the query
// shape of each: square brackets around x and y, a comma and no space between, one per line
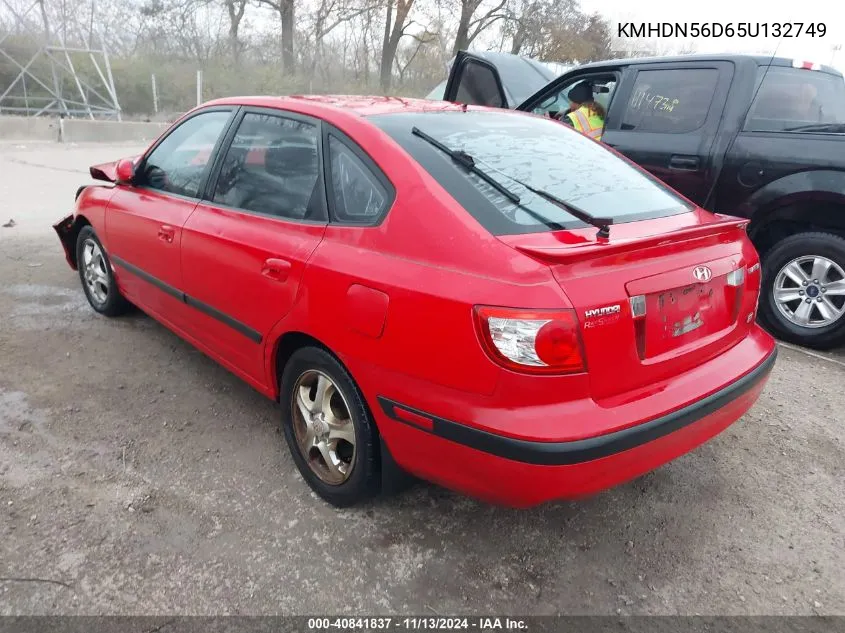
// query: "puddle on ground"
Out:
[16,415]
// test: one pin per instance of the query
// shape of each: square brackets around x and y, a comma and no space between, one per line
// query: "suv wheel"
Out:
[803,292]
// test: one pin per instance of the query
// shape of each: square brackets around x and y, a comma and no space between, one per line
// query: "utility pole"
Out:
[199,87]
[155,94]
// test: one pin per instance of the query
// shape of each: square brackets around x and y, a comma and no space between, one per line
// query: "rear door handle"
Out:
[686,163]
[276,269]
[166,233]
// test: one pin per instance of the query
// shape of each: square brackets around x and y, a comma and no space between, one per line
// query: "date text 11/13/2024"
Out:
[482,624]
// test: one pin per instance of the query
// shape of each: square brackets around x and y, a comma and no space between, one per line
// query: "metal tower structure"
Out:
[54,78]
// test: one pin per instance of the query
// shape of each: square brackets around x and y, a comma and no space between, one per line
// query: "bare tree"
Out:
[235,9]
[286,11]
[471,25]
[332,14]
[394,28]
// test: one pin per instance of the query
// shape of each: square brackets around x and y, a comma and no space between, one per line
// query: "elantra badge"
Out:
[702,273]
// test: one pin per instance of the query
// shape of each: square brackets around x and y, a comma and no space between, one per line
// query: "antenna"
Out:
[742,121]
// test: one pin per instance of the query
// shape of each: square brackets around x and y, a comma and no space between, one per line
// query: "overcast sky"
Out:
[733,11]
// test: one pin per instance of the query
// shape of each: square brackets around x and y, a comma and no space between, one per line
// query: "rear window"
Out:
[790,99]
[540,152]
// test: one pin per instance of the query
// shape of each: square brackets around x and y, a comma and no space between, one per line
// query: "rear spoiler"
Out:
[603,247]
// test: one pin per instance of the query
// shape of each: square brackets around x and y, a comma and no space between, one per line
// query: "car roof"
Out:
[359,105]
[760,60]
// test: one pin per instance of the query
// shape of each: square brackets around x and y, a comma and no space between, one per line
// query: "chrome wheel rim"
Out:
[810,291]
[94,271]
[323,427]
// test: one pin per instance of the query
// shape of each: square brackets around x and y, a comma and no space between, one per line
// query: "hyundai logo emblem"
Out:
[702,273]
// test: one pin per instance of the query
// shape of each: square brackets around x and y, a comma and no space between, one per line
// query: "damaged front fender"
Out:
[66,230]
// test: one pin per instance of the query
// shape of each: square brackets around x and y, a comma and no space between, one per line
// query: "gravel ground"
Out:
[139,477]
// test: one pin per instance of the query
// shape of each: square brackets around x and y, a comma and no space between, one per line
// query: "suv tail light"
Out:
[532,341]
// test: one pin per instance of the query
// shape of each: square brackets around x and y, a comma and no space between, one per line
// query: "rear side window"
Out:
[359,196]
[670,101]
[539,152]
[272,167]
[790,99]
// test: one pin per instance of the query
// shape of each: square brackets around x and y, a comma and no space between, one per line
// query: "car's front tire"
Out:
[328,428]
[95,273]
[803,290]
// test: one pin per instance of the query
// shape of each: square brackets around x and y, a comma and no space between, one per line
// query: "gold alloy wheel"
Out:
[323,427]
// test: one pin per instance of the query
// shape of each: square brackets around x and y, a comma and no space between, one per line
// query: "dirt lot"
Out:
[137,476]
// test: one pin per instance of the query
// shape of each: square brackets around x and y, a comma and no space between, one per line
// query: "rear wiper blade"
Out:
[602,224]
[468,163]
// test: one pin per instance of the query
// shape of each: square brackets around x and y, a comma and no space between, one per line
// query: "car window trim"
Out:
[211,184]
[364,157]
[139,168]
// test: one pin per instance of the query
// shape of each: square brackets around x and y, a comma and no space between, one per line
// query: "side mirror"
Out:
[125,172]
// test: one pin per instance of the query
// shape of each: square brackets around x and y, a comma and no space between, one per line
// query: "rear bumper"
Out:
[575,452]
[519,472]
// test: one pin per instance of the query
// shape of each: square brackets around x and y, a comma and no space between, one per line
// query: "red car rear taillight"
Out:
[532,341]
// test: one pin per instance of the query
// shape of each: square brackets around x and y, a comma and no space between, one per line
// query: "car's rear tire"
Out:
[95,273]
[803,290]
[328,427]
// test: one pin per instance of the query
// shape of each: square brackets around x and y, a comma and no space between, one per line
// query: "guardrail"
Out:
[17,128]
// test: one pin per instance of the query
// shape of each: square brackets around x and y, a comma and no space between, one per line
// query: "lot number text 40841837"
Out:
[481,624]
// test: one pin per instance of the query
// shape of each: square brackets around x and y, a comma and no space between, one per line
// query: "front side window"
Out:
[272,167]
[670,101]
[177,165]
[539,152]
[797,100]
[557,105]
[358,194]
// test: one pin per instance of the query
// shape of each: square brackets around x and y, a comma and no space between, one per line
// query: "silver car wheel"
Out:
[810,291]
[94,271]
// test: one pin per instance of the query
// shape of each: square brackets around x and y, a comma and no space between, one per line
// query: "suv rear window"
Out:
[790,99]
[540,152]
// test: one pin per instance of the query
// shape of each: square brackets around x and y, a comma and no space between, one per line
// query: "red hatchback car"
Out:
[484,299]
